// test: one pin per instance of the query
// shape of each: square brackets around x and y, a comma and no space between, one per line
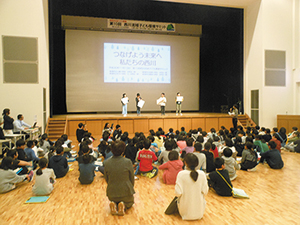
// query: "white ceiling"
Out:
[226,3]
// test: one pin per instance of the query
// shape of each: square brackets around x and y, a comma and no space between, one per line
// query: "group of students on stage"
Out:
[192,161]
[161,102]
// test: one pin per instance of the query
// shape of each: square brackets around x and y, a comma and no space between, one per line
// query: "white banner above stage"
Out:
[140,25]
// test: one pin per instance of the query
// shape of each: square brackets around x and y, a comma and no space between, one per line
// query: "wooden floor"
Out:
[274,199]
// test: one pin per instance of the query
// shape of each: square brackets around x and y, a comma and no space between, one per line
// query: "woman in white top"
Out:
[44,179]
[191,186]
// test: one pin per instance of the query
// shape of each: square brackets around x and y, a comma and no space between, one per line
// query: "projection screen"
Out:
[86,60]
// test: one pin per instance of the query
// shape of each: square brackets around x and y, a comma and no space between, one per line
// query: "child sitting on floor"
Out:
[59,163]
[249,157]
[171,168]
[216,180]
[8,178]
[86,166]
[30,153]
[201,157]
[272,157]
[230,163]
[44,179]
[210,166]
[146,158]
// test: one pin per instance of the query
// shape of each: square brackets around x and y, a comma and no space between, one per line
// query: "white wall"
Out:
[269,26]
[26,18]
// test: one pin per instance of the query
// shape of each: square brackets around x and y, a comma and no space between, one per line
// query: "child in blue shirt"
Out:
[30,153]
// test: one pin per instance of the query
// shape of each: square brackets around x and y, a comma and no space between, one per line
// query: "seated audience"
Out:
[30,153]
[210,165]
[249,157]
[18,163]
[164,155]
[44,179]
[20,146]
[171,168]
[230,164]
[8,178]
[189,147]
[146,158]
[216,179]
[131,149]
[59,163]
[44,143]
[191,187]
[276,141]
[272,157]
[86,166]
[201,157]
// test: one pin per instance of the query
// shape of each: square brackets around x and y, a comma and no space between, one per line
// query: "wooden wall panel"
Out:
[112,121]
[170,123]
[288,121]
[126,125]
[95,127]
[155,124]
[141,125]
[185,122]
[198,122]
[211,123]
[293,123]
[226,122]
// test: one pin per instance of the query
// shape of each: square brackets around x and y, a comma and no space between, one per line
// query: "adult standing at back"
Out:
[234,113]
[8,122]
[120,180]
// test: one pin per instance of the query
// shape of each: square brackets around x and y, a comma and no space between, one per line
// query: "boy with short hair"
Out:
[20,146]
[201,157]
[216,179]
[59,163]
[210,166]
[30,153]
[272,157]
[146,158]
[230,163]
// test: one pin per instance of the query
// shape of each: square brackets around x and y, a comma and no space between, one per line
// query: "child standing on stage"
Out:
[178,100]
[137,99]
[124,102]
[162,102]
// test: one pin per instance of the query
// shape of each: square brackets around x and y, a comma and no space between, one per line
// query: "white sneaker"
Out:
[176,114]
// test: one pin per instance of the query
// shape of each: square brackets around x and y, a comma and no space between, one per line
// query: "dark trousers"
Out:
[234,122]
[163,109]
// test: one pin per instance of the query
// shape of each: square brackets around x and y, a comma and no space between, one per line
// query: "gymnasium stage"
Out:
[146,121]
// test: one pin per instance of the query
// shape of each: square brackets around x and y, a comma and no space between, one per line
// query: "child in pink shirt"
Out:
[171,168]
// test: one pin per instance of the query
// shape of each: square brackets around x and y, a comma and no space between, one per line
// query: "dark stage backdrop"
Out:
[221,51]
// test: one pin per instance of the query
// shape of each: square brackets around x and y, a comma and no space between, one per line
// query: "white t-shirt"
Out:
[42,184]
[191,201]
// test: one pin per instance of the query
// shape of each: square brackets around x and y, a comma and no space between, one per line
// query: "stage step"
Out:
[245,121]
[55,128]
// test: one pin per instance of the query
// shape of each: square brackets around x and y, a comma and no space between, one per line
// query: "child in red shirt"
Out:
[278,143]
[146,158]
[171,168]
